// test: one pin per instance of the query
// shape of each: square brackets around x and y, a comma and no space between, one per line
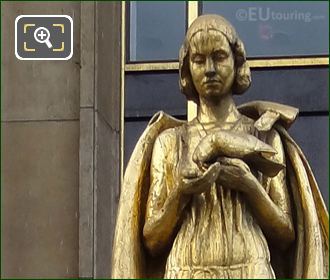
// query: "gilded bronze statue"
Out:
[226,195]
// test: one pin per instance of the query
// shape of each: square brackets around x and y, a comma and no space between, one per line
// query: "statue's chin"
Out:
[214,94]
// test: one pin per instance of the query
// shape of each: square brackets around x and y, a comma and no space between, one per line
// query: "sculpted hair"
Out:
[216,23]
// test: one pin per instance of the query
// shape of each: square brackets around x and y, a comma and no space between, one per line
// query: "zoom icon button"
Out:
[43,37]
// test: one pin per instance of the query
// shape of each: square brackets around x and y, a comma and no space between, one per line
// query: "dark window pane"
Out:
[148,93]
[277,28]
[304,88]
[132,133]
[312,135]
[156,30]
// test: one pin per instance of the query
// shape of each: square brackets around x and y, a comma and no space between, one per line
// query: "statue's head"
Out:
[212,59]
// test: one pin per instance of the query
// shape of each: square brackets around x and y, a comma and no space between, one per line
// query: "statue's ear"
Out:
[240,52]
[184,82]
[242,79]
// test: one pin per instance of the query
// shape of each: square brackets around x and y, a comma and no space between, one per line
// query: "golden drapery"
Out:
[310,252]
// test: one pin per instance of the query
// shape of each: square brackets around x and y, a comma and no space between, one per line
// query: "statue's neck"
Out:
[223,110]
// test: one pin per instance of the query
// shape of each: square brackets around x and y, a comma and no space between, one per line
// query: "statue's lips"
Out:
[212,82]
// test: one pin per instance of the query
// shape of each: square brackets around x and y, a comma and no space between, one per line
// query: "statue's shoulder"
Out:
[168,141]
[168,128]
[173,133]
[266,114]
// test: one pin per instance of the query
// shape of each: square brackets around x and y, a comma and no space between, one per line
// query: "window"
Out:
[156,30]
[271,29]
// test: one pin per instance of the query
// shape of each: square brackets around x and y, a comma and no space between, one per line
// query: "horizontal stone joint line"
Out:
[44,120]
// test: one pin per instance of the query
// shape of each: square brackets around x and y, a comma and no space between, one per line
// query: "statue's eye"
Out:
[219,55]
[198,58]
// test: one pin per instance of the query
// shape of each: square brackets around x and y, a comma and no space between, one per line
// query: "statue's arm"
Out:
[271,202]
[164,201]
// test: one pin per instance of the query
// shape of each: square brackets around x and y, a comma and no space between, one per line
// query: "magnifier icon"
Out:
[41,35]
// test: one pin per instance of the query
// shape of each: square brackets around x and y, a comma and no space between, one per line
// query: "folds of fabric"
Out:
[128,254]
[312,229]
[312,220]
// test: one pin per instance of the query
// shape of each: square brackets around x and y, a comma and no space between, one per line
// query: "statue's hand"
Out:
[235,174]
[198,182]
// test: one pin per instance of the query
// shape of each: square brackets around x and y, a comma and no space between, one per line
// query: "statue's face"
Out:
[211,64]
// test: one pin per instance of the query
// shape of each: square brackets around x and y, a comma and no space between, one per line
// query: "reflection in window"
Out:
[277,28]
[156,30]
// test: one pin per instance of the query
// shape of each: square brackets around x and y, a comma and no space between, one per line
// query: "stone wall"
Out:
[61,146]
[40,148]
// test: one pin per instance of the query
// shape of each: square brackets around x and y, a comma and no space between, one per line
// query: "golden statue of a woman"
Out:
[226,195]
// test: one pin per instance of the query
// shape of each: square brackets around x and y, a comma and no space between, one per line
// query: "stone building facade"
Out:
[68,128]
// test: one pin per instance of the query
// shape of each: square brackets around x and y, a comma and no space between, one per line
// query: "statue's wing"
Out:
[128,253]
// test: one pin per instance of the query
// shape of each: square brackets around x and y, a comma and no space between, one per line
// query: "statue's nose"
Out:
[210,69]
